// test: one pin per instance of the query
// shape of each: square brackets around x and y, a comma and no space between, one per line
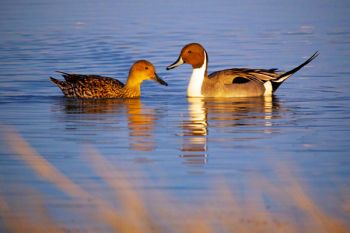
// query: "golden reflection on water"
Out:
[240,111]
[141,122]
[205,114]
[140,118]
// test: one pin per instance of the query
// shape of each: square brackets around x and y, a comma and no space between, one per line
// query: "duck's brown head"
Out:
[193,54]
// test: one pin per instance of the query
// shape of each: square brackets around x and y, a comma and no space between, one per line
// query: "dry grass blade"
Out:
[133,204]
[48,172]
[19,222]
[41,166]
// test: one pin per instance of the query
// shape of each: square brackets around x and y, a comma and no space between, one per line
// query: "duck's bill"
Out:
[178,62]
[159,80]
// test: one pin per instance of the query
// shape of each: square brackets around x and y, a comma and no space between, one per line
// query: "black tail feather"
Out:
[55,81]
[61,72]
[288,73]
[59,83]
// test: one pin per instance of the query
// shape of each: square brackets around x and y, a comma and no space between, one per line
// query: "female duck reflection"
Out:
[99,113]
[224,115]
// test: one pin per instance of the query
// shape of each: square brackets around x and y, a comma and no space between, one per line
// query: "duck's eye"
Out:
[146,68]
[189,51]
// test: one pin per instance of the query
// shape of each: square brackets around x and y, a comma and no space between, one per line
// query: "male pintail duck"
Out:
[236,82]
[95,86]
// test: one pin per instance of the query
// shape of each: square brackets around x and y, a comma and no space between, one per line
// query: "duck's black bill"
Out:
[178,62]
[159,80]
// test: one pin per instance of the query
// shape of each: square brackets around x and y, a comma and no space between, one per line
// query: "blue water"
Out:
[181,145]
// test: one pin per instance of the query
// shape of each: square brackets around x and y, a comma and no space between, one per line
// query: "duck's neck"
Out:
[132,87]
[194,88]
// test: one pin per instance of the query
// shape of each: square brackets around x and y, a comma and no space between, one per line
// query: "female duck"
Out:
[95,86]
[236,82]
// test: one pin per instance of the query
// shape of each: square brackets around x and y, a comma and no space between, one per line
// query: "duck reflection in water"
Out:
[232,116]
[108,112]
[141,122]
[194,146]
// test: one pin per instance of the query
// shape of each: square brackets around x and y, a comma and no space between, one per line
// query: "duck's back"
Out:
[89,86]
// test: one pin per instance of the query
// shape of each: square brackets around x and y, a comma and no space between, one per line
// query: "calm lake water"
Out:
[165,141]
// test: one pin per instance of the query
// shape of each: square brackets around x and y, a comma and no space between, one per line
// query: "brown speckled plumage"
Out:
[95,86]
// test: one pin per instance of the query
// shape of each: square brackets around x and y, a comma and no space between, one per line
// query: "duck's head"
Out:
[144,70]
[193,54]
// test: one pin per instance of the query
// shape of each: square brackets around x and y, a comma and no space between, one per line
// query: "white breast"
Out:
[194,88]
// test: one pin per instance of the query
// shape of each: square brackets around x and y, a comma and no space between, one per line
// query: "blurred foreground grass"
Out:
[155,211]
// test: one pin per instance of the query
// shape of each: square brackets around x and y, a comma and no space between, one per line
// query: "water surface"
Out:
[165,141]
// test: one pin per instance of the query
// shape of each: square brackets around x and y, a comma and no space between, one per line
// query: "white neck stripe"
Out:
[194,88]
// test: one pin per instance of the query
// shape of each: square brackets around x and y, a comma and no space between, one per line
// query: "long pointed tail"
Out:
[286,75]
[60,84]
[278,81]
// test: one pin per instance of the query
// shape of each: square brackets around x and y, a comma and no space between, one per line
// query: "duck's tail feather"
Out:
[63,73]
[59,83]
[278,81]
